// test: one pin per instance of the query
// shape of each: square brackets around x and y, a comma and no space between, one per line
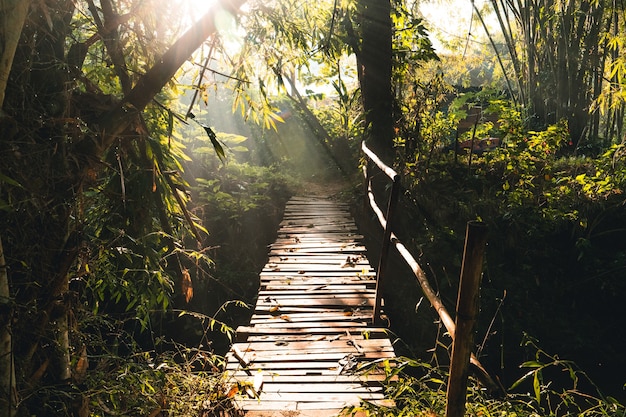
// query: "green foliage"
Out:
[135,227]
[235,189]
[419,389]
[555,254]
[562,401]
[411,43]
[424,127]
[179,381]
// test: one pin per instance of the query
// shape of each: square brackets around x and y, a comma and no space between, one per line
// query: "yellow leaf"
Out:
[234,389]
[80,370]
[186,285]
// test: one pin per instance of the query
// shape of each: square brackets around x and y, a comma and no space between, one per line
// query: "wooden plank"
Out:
[303,296]
[330,354]
[289,406]
[332,244]
[347,398]
[277,346]
[293,348]
[286,323]
[305,367]
[314,268]
[330,276]
[287,279]
[291,387]
[307,286]
[291,249]
[309,283]
[281,310]
[326,259]
[371,332]
[369,379]
[297,413]
[307,317]
[327,301]
[317,264]
[303,358]
[297,347]
[340,261]
[296,407]
[334,239]
[304,337]
[337,220]
[320,374]
[272,296]
[315,237]
[307,327]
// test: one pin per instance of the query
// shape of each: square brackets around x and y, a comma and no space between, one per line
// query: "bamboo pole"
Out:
[466,311]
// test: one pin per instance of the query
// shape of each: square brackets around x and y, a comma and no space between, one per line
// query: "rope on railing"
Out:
[420,275]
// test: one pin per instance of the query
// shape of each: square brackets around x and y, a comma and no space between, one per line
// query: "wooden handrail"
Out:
[385,221]
[380,164]
[389,237]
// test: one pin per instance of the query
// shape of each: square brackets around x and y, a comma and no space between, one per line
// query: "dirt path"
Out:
[332,188]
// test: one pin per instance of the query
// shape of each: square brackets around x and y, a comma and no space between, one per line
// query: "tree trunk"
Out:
[12,17]
[8,401]
[375,66]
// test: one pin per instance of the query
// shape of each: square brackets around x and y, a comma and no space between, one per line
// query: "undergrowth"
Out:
[419,389]
[179,381]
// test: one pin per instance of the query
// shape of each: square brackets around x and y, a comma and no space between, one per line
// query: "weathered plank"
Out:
[366,379]
[311,330]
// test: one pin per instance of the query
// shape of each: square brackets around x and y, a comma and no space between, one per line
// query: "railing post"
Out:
[466,310]
[384,251]
[367,178]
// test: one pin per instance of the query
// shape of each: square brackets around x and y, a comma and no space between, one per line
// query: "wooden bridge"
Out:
[311,335]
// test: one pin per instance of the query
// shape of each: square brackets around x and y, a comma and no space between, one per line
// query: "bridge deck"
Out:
[311,329]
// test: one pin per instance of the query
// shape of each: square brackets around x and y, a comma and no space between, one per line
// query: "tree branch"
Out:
[151,83]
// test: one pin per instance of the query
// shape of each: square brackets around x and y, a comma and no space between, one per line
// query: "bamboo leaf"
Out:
[537,387]
[219,150]
[10,181]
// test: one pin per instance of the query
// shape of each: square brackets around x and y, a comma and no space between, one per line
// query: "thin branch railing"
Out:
[389,239]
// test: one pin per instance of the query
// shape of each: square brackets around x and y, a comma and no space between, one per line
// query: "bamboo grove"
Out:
[566,62]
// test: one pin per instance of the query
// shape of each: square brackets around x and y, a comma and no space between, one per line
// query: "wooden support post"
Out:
[466,311]
[384,252]
[366,182]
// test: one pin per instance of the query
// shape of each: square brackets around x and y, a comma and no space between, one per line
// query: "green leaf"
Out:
[522,379]
[4,206]
[10,181]
[219,150]
[537,387]
[531,364]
